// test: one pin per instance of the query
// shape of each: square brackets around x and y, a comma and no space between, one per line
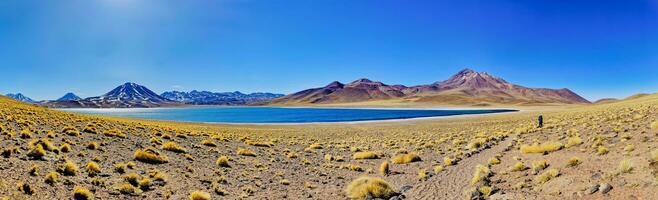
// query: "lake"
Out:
[274,114]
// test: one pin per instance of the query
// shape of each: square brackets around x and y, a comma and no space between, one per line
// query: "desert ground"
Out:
[605,151]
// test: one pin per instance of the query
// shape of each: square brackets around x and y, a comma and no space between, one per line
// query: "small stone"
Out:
[405,188]
[605,188]
[592,189]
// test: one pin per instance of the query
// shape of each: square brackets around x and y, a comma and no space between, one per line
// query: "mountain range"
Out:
[132,95]
[21,97]
[218,98]
[467,87]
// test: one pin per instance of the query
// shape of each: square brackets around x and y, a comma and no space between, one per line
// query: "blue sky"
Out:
[597,48]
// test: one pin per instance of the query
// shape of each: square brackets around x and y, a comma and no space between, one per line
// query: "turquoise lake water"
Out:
[274,114]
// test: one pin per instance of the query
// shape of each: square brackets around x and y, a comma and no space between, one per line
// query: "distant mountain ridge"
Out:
[128,95]
[69,97]
[467,87]
[21,97]
[218,98]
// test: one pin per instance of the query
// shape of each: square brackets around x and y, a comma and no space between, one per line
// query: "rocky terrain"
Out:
[584,152]
[467,87]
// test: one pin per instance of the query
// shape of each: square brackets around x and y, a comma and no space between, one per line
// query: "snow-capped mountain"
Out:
[218,98]
[128,95]
[69,97]
[21,97]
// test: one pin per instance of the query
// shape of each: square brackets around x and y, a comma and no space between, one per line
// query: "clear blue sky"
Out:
[597,48]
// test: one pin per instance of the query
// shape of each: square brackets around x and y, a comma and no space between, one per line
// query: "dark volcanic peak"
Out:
[218,98]
[21,97]
[69,97]
[133,92]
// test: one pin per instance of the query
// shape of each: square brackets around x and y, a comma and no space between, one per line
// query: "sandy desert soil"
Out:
[577,154]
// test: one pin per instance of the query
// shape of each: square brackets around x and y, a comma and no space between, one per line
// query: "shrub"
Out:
[365,155]
[34,170]
[69,169]
[539,165]
[208,143]
[573,141]
[120,168]
[482,173]
[447,161]
[494,161]
[485,190]
[315,146]
[573,161]
[26,133]
[127,188]
[173,147]
[602,151]
[80,193]
[69,130]
[92,146]
[51,178]
[519,166]
[367,187]
[246,152]
[222,161]
[259,144]
[438,169]
[144,184]
[625,166]
[384,169]
[150,156]
[25,188]
[541,148]
[114,133]
[198,195]
[93,168]
[406,158]
[654,126]
[65,148]
[547,176]
[37,152]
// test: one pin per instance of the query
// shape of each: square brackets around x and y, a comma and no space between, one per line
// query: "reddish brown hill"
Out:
[467,87]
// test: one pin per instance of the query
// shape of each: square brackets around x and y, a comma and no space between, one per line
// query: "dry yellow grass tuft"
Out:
[482,173]
[365,155]
[150,156]
[573,141]
[93,168]
[51,178]
[120,168]
[384,169]
[625,166]
[447,161]
[406,158]
[69,169]
[601,151]
[654,126]
[199,195]
[574,161]
[539,165]
[222,161]
[542,148]
[494,161]
[173,147]
[80,193]
[367,187]
[246,152]
[519,166]
[547,176]
[37,152]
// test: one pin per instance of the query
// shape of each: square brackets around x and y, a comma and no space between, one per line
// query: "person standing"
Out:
[540,121]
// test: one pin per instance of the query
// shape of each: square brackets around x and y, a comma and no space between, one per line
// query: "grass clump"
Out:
[120,168]
[625,166]
[539,165]
[150,156]
[384,169]
[173,147]
[222,161]
[574,161]
[447,161]
[93,168]
[199,195]
[37,152]
[482,173]
[573,141]
[25,188]
[367,187]
[547,176]
[494,161]
[69,169]
[541,148]
[80,193]
[406,158]
[365,155]
[114,133]
[69,130]
[654,126]
[438,169]
[602,151]
[51,178]
[246,152]
[209,143]
[518,166]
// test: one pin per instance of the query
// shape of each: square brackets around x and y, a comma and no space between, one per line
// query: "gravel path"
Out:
[451,183]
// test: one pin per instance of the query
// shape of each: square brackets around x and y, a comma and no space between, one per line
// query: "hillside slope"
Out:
[467,87]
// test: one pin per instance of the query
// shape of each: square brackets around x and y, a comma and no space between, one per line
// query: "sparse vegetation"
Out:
[365,187]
